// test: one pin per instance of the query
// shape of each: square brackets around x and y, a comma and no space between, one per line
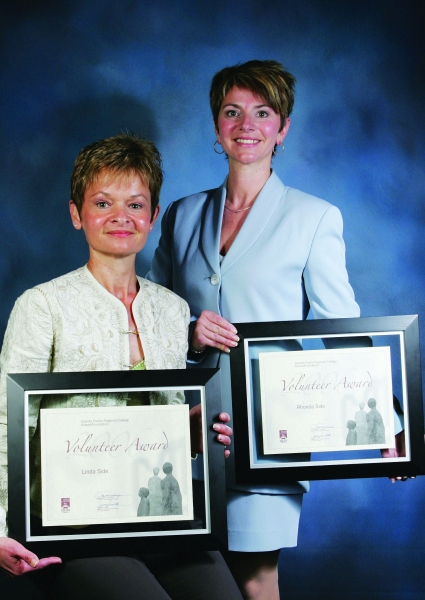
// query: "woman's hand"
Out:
[17,560]
[399,450]
[224,431]
[214,331]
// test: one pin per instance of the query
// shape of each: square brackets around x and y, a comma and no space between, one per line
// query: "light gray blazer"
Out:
[288,257]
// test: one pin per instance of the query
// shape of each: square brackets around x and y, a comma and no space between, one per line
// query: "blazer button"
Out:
[215,279]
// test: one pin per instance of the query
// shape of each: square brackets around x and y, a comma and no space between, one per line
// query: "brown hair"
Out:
[265,78]
[123,153]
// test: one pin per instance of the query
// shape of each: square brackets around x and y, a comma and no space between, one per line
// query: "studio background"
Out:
[74,71]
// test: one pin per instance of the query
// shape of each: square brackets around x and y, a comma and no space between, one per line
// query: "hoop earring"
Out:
[278,153]
[215,149]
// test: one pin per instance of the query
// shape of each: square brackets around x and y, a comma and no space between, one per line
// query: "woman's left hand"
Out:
[224,432]
[399,450]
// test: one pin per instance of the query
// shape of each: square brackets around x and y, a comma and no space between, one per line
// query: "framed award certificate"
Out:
[102,463]
[327,399]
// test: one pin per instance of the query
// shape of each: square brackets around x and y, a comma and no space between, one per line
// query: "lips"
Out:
[120,233]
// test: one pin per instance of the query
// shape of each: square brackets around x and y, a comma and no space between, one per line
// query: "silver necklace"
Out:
[240,210]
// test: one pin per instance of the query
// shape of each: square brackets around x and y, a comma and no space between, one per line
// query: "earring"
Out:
[278,153]
[215,149]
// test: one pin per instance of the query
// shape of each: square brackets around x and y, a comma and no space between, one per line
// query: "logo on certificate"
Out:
[283,436]
[65,505]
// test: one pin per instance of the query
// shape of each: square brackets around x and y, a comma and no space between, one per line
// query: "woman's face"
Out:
[116,214]
[248,129]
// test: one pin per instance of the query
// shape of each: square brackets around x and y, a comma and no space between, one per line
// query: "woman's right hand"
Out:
[214,331]
[17,560]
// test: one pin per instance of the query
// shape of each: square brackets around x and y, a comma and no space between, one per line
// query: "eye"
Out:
[263,114]
[136,206]
[102,204]
[231,113]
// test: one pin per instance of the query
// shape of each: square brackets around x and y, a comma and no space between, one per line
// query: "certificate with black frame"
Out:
[326,399]
[100,462]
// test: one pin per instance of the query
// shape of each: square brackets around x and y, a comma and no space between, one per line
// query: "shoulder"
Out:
[304,200]
[41,296]
[195,198]
[193,204]
[44,288]
[297,204]
[71,278]
[160,294]
[310,209]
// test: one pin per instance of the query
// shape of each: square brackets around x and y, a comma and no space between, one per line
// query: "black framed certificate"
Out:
[101,463]
[327,399]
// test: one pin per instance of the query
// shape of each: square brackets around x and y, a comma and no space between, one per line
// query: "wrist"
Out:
[192,349]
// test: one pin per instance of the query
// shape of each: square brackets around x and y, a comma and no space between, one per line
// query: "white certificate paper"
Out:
[326,400]
[116,465]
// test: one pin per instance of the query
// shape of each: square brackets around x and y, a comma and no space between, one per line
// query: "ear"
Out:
[75,217]
[155,216]
[282,133]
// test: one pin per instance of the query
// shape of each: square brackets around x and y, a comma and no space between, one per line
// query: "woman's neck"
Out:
[244,184]
[116,275]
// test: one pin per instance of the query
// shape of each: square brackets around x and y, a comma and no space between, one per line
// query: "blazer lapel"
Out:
[211,226]
[257,220]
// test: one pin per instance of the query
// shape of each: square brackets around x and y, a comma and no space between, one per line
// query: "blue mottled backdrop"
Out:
[74,71]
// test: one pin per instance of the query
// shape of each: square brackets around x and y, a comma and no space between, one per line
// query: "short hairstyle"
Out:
[122,154]
[265,78]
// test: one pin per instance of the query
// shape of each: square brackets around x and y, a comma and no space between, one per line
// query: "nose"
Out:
[120,215]
[246,123]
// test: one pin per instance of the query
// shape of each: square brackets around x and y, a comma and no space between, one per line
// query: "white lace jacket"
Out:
[73,323]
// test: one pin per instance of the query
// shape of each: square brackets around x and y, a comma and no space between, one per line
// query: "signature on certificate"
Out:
[110,501]
[320,432]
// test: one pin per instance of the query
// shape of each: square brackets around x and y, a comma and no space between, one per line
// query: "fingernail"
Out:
[33,563]
[216,427]
[220,438]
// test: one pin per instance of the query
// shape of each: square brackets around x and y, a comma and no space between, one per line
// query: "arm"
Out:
[331,296]
[161,270]
[325,275]
[213,331]
[26,349]
[210,329]
[17,560]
